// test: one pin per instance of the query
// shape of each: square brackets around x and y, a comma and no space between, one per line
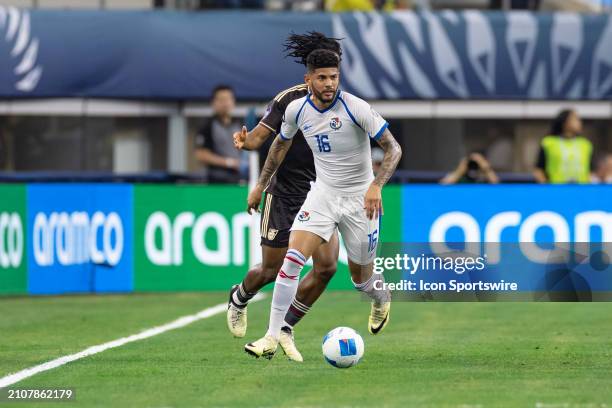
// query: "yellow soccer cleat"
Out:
[236,317]
[237,320]
[379,317]
[264,347]
[287,343]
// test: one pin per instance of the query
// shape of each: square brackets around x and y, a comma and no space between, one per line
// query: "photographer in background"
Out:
[565,156]
[472,169]
[602,173]
[214,143]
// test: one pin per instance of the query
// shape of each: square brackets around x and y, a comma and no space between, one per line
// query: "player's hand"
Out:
[240,138]
[373,202]
[254,199]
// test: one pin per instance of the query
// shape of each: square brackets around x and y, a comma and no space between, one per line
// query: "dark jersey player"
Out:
[283,198]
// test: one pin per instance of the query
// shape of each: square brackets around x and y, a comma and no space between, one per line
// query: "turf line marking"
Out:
[153,331]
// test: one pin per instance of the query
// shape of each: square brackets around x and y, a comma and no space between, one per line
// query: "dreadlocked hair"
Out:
[299,46]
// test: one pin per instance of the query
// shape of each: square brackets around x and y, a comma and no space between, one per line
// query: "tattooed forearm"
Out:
[276,155]
[393,153]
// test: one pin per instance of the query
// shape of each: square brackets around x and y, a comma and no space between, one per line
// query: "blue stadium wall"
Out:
[402,55]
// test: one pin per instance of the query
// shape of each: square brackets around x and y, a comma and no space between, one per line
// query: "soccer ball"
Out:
[342,347]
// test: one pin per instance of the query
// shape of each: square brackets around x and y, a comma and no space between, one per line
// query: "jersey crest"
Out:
[272,234]
[304,216]
[335,123]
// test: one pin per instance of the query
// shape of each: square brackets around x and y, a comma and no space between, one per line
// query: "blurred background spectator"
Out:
[602,173]
[565,155]
[516,4]
[224,4]
[214,143]
[359,5]
[472,169]
[349,5]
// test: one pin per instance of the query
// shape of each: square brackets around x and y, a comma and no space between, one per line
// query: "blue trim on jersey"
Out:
[283,136]
[380,132]
[300,111]
[326,109]
[349,113]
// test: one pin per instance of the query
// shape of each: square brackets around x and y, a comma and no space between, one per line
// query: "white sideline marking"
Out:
[153,331]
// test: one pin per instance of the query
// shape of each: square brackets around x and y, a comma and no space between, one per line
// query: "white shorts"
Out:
[324,211]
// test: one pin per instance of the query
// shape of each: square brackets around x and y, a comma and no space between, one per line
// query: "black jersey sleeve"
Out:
[273,118]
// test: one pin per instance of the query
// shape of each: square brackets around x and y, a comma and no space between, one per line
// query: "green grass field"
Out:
[549,355]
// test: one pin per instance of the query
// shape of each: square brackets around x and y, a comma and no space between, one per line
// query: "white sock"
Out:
[285,289]
[367,287]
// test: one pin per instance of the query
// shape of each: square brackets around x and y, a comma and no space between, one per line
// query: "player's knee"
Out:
[325,272]
[269,272]
[260,271]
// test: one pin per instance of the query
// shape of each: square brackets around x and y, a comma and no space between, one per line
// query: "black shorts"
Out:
[276,219]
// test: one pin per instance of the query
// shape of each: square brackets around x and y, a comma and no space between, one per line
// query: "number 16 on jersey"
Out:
[323,143]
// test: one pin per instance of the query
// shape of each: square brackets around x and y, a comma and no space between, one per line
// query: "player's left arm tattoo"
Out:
[393,153]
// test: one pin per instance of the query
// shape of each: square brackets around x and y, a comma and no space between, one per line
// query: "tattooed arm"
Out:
[393,153]
[276,155]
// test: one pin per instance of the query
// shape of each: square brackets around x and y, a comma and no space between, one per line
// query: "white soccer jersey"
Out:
[339,138]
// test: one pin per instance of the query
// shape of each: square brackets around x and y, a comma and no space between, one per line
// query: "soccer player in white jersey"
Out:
[338,127]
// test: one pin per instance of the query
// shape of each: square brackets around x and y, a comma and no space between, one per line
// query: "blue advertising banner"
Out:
[401,55]
[81,238]
[523,242]
[509,271]
[507,213]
